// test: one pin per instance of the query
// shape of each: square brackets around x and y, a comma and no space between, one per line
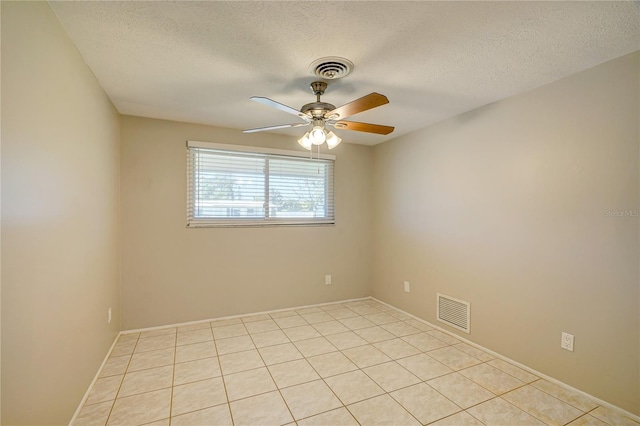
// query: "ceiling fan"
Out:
[320,114]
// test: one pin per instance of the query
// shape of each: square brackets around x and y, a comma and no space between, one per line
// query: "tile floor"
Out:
[351,363]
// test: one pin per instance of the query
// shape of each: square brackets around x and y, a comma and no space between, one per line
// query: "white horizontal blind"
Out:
[228,187]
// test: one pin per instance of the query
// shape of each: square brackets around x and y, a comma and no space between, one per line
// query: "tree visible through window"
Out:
[247,188]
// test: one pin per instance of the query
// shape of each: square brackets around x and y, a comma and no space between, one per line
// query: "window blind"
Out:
[240,186]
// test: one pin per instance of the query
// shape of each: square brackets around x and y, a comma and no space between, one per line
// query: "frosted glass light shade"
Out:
[305,142]
[317,136]
[332,140]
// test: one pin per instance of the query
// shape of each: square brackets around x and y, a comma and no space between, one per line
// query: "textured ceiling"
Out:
[201,61]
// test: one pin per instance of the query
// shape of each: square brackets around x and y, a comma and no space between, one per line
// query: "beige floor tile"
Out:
[163,422]
[146,381]
[192,371]
[104,389]
[516,372]
[265,410]
[95,414]
[227,331]
[330,327]
[197,395]
[316,346]
[255,317]
[542,405]
[447,338]
[317,317]
[195,351]
[115,366]
[301,333]
[587,420]
[460,390]
[158,332]
[419,325]
[380,318]
[497,381]
[292,373]
[391,376]
[612,417]
[459,419]
[142,408]
[374,334]
[312,310]
[342,313]
[279,353]
[240,361]
[346,340]
[339,417]
[365,309]
[248,383]
[194,326]
[474,352]
[399,315]
[261,326]
[194,336]
[453,358]
[356,323]
[152,359]
[381,410]
[213,416]
[128,336]
[269,338]
[396,348]
[156,343]
[499,412]
[225,322]
[123,348]
[331,364]
[234,344]
[309,399]
[425,367]
[366,356]
[400,329]
[294,320]
[581,402]
[353,387]
[282,314]
[425,342]
[425,403]
[331,307]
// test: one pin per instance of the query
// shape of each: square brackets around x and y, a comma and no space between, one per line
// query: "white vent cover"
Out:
[454,312]
[331,67]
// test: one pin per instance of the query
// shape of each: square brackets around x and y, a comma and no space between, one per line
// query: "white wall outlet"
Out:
[109,316]
[327,279]
[407,287]
[567,341]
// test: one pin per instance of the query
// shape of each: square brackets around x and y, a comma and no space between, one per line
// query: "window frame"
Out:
[265,221]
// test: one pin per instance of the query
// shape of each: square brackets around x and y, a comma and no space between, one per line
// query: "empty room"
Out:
[320,213]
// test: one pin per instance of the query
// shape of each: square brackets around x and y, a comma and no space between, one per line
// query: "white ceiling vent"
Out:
[454,312]
[331,67]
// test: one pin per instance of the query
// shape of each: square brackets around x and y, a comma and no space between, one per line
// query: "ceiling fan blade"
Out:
[364,127]
[372,100]
[280,126]
[281,107]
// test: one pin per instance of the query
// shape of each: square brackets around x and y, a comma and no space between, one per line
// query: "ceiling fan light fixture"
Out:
[305,142]
[333,140]
[317,136]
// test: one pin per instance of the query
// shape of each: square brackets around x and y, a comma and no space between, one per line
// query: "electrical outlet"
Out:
[109,316]
[567,341]
[407,287]
[327,279]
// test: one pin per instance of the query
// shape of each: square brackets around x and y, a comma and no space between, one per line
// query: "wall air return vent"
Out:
[454,312]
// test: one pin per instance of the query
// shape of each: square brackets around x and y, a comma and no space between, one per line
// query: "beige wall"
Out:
[60,189]
[172,274]
[504,206]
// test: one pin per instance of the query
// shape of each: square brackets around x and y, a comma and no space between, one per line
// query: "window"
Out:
[232,185]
